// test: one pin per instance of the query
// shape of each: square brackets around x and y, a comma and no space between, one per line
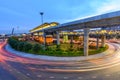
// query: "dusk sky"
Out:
[23,15]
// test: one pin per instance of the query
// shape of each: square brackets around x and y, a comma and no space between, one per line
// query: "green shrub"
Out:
[13,42]
[58,48]
[37,48]
[21,46]
[70,48]
[49,48]
[15,45]
[27,47]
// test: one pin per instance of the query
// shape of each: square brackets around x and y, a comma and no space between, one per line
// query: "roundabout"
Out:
[77,64]
[105,67]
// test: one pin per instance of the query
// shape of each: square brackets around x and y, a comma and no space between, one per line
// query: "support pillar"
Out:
[65,38]
[97,42]
[44,38]
[86,39]
[71,39]
[58,38]
[103,40]
[38,33]
[32,34]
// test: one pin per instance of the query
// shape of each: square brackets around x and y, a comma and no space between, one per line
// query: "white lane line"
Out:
[51,77]
[8,65]
[28,74]
[94,77]
[39,75]
[107,75]
[65,77]
[10,70]
[18,72]
[80,77]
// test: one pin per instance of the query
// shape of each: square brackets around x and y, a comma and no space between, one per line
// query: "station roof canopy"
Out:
[43,26]
[105,20]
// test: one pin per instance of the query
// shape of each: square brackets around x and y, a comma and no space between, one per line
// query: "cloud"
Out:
[100,8]
[109,6]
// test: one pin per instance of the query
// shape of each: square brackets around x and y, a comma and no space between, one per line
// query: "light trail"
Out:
[88,65]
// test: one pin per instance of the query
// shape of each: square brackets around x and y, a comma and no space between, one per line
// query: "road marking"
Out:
[28,74]
[18,72]
[51,77]
[8,65]
[94,76]
[65,77]
[39,75]
[107,75]
[10,70]
[80,77]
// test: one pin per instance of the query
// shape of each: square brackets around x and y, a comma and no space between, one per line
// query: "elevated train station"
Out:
[83,27]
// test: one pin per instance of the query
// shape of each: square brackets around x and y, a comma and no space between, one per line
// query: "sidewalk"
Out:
[113,48]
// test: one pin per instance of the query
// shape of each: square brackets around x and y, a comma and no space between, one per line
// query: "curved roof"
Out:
[43,26]
[105,20]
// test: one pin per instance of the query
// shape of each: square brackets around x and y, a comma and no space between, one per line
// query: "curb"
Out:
[52,58]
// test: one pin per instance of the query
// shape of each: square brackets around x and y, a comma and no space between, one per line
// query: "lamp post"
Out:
[44,34]
[41,13]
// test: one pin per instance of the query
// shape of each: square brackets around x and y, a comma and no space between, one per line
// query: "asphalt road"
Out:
[13,67]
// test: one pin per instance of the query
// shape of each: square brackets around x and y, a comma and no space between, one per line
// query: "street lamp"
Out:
[41,13]
[44,34]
